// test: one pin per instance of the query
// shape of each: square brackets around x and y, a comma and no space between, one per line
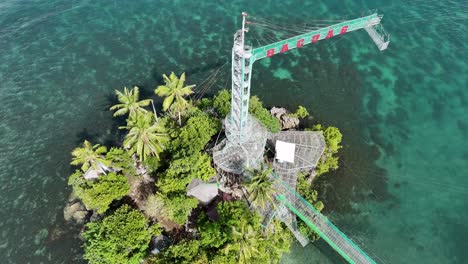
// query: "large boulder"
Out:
[287,121]
[75,211]
[278,112]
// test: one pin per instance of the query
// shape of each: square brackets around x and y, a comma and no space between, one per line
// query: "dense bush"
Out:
[99,194]
[306,191]
[301,112]
[205,104]
[329,160]
[120,238]
[175,208]
[222,103]
[263,115]
[121,160]
[156,208]
[194,135]
[219,240]
[181,172]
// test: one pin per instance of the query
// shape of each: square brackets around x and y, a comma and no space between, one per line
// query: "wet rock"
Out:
[80,217]
[278,112]
[75,211]
[287,121]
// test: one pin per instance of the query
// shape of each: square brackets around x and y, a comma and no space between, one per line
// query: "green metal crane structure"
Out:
[246,138]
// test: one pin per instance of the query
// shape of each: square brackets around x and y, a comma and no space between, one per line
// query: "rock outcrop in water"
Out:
[287,121]
[75,211]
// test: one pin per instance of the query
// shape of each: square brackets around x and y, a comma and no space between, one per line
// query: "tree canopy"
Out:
[222,102]
[305,190]
[194,135]
[129,102]
[174,92]
[121,160]
[260,187]
[99,194]
[90,155]
[301,112]
[181,172]
[236,237]
[145,136]
[171,154]
[120,238]
[222,105]
[263,115]
[329,160]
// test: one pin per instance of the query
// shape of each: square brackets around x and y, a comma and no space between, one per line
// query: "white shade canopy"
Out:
[285,151]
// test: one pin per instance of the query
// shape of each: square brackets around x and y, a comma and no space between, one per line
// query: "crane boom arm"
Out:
[367,22]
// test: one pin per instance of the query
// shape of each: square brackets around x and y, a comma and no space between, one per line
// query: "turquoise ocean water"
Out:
[402,187]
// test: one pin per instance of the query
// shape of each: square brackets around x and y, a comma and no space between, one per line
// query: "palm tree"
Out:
[90,156]
[260,188]
[145,137]
[129,102]
[174,91]
[245,242]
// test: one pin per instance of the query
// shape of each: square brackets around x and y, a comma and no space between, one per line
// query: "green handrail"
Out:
[283,199]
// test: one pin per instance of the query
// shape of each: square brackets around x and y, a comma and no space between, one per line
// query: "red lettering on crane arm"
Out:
[270,52]
[315,38]
[300,43]
[284,48]
[344,29]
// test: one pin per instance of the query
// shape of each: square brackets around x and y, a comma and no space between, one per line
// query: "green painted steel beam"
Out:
[283,199]
[314,36]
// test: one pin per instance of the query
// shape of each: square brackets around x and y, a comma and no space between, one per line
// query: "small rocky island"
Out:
[158,197]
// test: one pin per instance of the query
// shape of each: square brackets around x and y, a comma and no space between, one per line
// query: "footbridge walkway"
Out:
[320,224]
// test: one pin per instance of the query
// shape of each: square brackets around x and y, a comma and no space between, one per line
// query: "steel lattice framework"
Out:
[246,138]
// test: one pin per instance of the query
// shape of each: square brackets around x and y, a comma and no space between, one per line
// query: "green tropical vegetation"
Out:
[121,160]
[236,237]
[145,137]
[99,194]
[90,156]
[182,171]
[122,237]
[245,243]
[194,135]
[260,187]
[140,188]
[174,92]
[222,102]
[263,115]
[129,102]
[301,112]
[306,190]
[329,159]
[222,105]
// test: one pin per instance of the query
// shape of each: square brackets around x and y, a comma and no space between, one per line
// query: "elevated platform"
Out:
[232,155]
[308,148]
